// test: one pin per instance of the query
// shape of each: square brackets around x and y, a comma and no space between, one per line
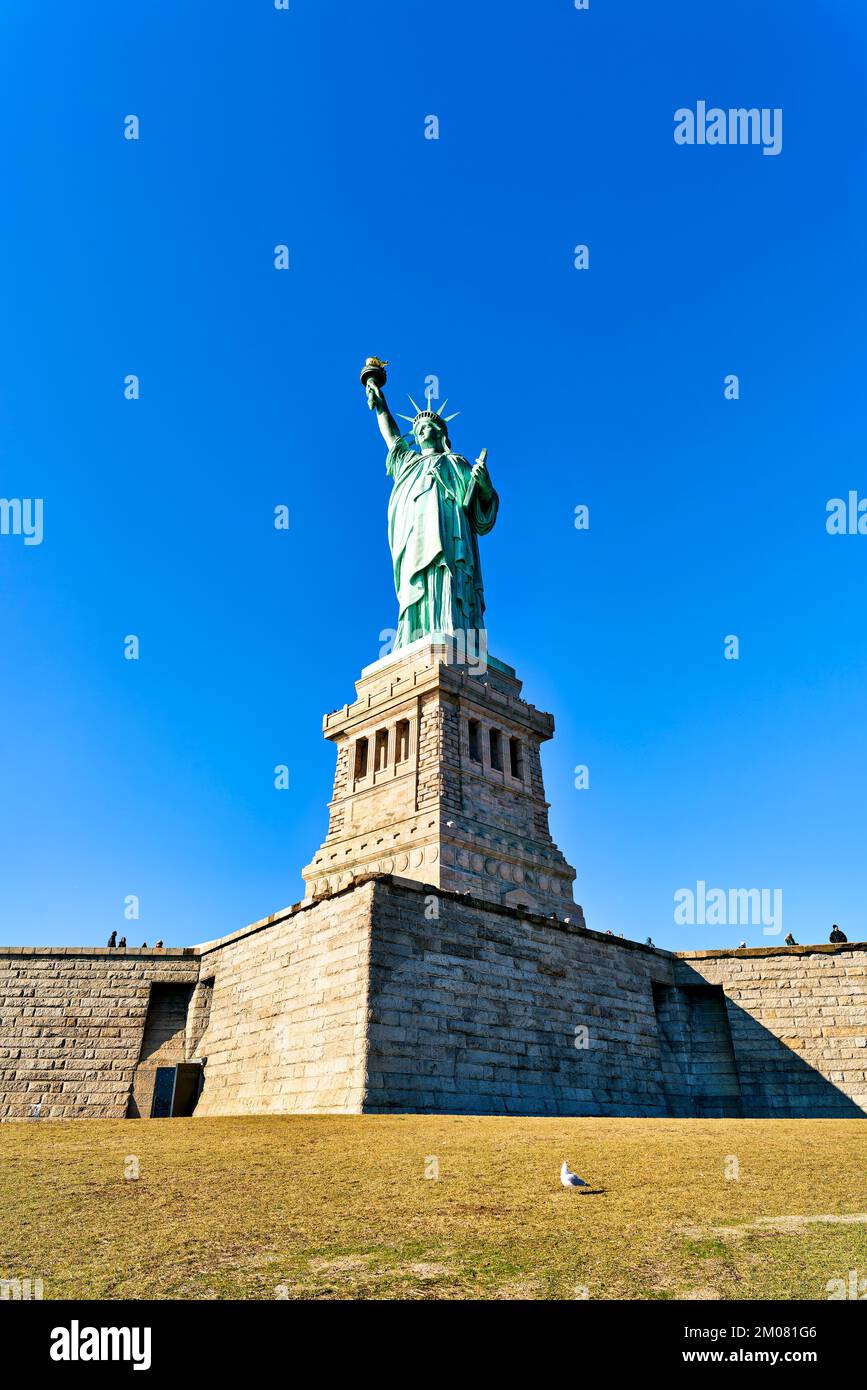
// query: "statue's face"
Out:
[429,435]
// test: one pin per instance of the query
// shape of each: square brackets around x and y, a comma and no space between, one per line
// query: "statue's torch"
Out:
[373,371]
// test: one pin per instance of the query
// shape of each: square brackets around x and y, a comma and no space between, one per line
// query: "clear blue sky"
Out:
[451,257]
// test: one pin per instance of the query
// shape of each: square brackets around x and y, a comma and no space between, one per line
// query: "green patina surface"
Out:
[440,504]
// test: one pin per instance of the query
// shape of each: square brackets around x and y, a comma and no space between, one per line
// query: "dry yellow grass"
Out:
[339,1207]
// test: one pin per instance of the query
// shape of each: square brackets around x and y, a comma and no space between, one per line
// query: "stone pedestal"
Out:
[439,779]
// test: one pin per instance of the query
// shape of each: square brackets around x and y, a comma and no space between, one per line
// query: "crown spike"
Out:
[404,417]
[416,408]
[453,416]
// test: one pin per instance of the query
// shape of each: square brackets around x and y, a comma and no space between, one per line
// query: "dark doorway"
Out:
[164,1091]
[189,1079]
[176,1090]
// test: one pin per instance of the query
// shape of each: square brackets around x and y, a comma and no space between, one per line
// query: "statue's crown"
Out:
[429,415]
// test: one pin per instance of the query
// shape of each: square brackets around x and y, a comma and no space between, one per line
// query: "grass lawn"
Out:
[339,1207]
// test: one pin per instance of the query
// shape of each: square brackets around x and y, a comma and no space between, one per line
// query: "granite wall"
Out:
[288,1010]
[391,995]
[487,1009]
[72,1024]
[798,1020]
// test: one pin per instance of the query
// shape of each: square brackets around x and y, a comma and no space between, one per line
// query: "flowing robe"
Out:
[433,525]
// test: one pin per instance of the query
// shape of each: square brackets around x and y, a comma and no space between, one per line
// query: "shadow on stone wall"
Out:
[774,1080]
[777,1082]
[697,1067]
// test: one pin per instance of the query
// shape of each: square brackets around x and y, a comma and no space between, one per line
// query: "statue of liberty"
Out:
[439,506]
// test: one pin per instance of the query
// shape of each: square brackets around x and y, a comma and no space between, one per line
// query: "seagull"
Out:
[570,1179]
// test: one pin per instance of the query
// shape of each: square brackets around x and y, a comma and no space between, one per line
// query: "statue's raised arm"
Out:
[373,377]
